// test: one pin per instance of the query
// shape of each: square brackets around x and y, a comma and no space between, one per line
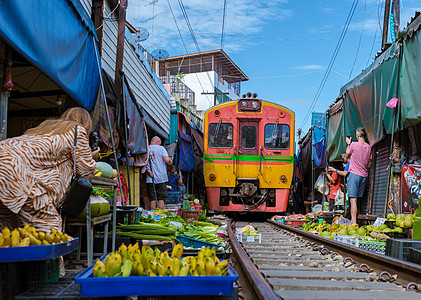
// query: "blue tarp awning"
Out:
[57,37]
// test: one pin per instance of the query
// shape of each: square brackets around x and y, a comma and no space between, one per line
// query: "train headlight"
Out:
[254,104]
[243,104]
[212,177]
[283,178]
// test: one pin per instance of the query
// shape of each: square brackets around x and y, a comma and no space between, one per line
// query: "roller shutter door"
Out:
[380,176]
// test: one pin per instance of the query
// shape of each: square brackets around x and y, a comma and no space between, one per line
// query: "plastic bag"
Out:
[322,184]
[342,221]
[339,199]
[317,208]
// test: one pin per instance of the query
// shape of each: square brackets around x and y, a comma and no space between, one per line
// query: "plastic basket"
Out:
[243,238]
[32,273]
[146,285]
[373,246]
[399,248]
[193,243]
[190,215]
[126,215]
[415,255]
[346,239]
[295,223]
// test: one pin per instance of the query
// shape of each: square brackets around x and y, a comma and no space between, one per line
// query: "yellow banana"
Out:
[23,233]
[209,266]
[25,242]
[160,270]
[177,251]
[126,269]
[6,233]
[193,262]
[41,235]
[44,242]
[15,238]
[184,271]
[175,266]
[122,248]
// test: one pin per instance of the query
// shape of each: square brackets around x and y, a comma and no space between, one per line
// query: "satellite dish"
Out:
[141,35]
[160,54]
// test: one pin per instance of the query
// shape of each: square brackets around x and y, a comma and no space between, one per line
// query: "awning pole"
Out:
[126,136]
[112,145]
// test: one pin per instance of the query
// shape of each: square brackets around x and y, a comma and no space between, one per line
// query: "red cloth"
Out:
[334,188]
[125,190]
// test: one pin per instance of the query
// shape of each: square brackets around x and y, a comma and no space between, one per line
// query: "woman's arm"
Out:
[85,164]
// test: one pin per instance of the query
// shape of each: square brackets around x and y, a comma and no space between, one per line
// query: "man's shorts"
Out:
[356,185]
[161,191]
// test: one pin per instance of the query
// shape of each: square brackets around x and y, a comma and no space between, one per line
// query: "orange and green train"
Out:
[248,155]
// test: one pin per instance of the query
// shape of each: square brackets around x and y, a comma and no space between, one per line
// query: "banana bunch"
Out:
[28,236]
[133,261]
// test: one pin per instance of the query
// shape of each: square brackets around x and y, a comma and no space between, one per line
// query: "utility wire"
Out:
[372,47]
[359,42]
[332,61]
[185,48]
[183,10]
[223,23]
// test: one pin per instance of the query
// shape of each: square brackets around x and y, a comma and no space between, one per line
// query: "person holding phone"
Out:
[359,153]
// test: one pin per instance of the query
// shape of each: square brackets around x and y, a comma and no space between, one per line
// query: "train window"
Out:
[220,135]
[277,136]
[248,137]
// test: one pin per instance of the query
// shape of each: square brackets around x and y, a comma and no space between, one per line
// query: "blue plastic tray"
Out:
[155,286]
[27,253]
[190,242]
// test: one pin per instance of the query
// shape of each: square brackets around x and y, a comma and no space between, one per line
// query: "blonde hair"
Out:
[68,120]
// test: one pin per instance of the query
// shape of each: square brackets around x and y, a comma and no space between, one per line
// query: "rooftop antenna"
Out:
[160,54]
[153,2]
[141,35]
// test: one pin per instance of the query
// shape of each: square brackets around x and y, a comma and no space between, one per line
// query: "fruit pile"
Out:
[28,236]
[329,230]
[402,220]
[147,262]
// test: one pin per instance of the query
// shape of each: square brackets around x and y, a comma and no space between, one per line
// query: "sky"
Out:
[284,47]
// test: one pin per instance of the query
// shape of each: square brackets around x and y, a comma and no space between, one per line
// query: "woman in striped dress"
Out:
[36,169]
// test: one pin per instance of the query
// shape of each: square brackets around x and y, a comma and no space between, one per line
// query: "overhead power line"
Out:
[185,48]
[332,61]
[359,42]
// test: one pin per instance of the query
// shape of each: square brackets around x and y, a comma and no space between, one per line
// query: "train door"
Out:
[248,148]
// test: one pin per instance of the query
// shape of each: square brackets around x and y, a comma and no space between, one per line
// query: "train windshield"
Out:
[220,135]
[277,136]
[248,137]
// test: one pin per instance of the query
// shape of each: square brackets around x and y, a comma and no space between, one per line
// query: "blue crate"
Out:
[152,286]
[190,242]
[42,252]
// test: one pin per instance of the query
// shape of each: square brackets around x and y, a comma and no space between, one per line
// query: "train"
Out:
[248,155]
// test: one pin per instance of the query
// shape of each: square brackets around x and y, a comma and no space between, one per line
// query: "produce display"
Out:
[132,261]
[248,230]
[329,230]
[28,236]
[147,231]
[199,230]
[402,220]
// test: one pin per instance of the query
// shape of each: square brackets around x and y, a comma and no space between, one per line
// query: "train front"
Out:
[248,155]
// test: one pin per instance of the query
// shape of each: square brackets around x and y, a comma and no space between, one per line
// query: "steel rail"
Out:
[261,287]
[407,272]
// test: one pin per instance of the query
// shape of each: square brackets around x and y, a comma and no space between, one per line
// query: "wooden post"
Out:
[98,18]
[120,45]
[385,22]
[3,95]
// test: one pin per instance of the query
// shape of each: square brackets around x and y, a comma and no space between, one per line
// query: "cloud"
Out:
[309,67]
[243,17]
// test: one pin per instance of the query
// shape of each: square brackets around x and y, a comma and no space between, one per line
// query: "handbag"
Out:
[79,192]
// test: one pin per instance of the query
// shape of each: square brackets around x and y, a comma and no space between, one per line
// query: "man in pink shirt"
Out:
[360,159]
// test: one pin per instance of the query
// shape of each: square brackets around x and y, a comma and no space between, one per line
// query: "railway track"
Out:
[289,265]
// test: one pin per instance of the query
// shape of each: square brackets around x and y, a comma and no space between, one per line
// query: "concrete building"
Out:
[212,76]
